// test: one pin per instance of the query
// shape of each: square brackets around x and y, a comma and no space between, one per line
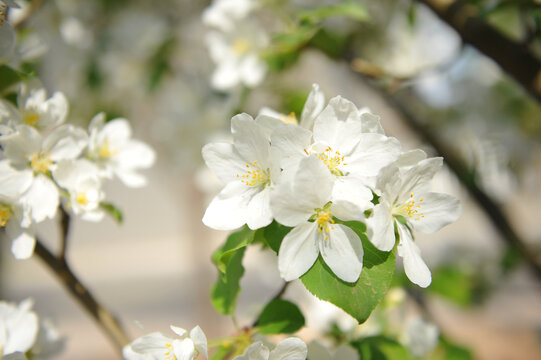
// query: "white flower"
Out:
[26,149]
[18,327]
[288,349]
[247,169]
[156,346]
[318,351]
[421,337]
[307,205]
[112,149]
[405,201]
[80,178]
[223,14]
[34,109]
[13,218]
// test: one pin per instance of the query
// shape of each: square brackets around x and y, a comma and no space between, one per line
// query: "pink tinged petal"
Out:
[256,351]
[351,198]
[184,349]
[312,107]
[229,209]
[416,179]
[435,211]
[12,182]
[250,140]
[259,212]
[22,246]
[200,341]
[42,198]
[224,161]
[252,70]
[289,349]
[17,146]
[298,251]
[380,226]
[373,152]
[65,142]
[414,266]
[342,252]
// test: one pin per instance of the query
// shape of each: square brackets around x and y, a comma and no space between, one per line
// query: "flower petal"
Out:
[289,349]
[229,209]
[224,161]
[200,341]
[312,107]
[350,199]
[250,140]
[259,212]
[438,210]
[42,198]
[373,152]
[184,349]
[416,179]
[12,182]
[414,266]
[22,245]
[343,252]
[256,351]
[380,226]
[298,251]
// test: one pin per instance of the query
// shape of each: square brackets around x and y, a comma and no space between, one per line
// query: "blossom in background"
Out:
[34,109]
[248,170]
[235,44]
[288,349]
[157,346]
[26,149]
[318,351]
[80,179]
[421,337]
[116,153]
[405,202]
[7,34]
[307,205]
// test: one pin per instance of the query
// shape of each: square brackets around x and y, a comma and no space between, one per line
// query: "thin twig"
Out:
[464,175]
[64,227]
[278,295]
[103,317]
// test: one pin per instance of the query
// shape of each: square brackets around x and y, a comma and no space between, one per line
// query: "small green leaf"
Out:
[455,284]
[229,258]
[331,43]
[449,351]
[8,77]
[280,317]
[350,9]
[274,234]
[113,211]
[360,298]
[381,348]
[284,49]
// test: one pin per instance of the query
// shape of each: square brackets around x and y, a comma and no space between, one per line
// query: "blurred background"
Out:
[148,62]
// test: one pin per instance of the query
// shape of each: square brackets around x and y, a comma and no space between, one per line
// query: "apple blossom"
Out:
[288,349]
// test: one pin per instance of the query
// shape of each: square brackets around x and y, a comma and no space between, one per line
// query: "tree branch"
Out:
[464,175]
[103,317]
[513,57]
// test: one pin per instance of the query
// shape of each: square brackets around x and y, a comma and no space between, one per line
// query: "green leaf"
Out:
[449,351]
[8,77]
[284,49]
[274,234]
[280,317]
[332,44]
[222,352]
[360,298]
[350,9]
[113,211]
[454,284]
[381,348]
[229,258]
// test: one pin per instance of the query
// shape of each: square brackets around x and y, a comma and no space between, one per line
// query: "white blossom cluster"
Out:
[235,43]
[44,161]
[22,332]
[335,162]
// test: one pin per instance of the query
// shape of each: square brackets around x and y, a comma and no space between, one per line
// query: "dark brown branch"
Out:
[64,228]
[464,175]
[514,58]
[103,317]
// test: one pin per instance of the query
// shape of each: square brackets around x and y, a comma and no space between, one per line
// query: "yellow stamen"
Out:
[323,218]
[30,118]
[5,214]
[105,150]
[333,160]
[169,355]
[81,198]
[289,119]
[411,209]
[40,162]
[241,46]
[254,175]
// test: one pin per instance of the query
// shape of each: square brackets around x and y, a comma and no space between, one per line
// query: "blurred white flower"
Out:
[18,327]
[157,346]
[34,109]
[223,14]
[421,337]
[288,349]
[116,153]
[81,179]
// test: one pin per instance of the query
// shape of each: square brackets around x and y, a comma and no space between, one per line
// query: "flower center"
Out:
[81,198]
[30,118]
[241,46]
[169,355]
[40,162]
[289,119]
[254,176]
[5,214]
[333,160]
[324,220]
[105,150]
[410,208]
